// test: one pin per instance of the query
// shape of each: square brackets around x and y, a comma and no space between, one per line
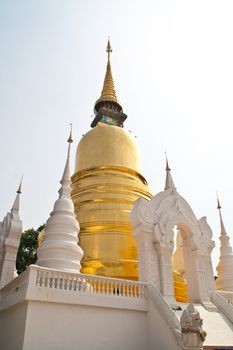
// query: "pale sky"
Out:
[172,64]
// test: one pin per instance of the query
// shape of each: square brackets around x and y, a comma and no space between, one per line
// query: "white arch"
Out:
[153,224]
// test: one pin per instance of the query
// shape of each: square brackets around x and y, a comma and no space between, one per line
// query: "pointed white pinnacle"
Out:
[15,207]
[169,183]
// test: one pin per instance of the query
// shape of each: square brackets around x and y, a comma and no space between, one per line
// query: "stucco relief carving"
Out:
[206,236]
[193,334]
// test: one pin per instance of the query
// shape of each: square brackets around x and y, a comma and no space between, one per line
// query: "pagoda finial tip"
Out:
[109,49]
[167,165]
[19,190]
[70,140]
[218,202]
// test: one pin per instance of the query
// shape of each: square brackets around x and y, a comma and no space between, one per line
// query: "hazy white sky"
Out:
[172,63]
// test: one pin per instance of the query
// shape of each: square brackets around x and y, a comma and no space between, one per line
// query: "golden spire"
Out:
[109,50]
[108,93]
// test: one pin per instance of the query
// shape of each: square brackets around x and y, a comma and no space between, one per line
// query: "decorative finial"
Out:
[169,183]
[218,203]
[70,140]
[20,186]
[15,207]
[167,165]
[108,98]
[109,49]
[223,230]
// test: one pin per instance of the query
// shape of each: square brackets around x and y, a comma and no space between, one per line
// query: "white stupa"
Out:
[60,249]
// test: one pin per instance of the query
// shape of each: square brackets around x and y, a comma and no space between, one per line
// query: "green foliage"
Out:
[27,249]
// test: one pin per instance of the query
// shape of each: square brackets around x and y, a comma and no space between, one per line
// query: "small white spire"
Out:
[169,183]
[225,265]
[65,181]
[60,249]
[222,227]
[15,207]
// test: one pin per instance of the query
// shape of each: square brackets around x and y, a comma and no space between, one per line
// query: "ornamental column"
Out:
[148,260]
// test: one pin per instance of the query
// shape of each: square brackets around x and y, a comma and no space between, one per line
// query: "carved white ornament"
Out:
[10,233]
[191,327]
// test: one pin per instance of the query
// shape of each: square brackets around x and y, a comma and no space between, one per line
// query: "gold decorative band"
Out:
[105,228]
[95,174]
[122,169]
[105,200]
[128,211]
[111,188]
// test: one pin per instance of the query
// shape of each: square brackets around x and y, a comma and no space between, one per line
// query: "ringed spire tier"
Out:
[108,108]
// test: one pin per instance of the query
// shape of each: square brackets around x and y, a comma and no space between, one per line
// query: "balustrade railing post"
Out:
[38,278]
[43,279]
[107,287]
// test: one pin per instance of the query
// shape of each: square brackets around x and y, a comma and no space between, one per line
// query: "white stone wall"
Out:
[12,327]
[60,326]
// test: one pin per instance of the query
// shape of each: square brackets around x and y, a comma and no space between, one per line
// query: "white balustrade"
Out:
[224,302]
[90,284]
[228,296]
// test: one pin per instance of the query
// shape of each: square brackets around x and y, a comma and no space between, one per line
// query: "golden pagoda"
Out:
[106,183]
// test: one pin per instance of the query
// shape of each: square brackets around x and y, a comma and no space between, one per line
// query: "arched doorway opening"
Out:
[184,265]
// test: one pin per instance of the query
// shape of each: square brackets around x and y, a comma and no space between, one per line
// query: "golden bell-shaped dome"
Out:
[106,183]
[107,145]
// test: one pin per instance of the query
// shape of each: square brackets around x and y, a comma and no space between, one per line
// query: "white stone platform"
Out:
[54,310]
